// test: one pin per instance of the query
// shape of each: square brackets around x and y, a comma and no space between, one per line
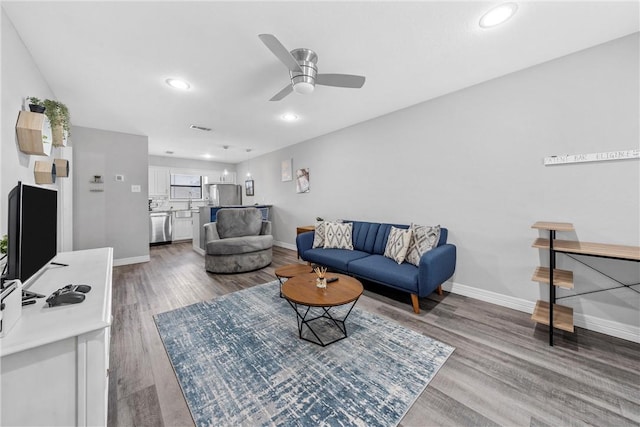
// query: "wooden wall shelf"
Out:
[59,136]
[62,168]
[34,133]
[44,172]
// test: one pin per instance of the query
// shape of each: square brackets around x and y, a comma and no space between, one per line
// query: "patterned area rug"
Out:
[239,361]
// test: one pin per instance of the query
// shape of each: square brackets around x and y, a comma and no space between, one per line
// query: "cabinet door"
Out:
[158,181]
[182,228]
[152,182]
[195,230]
[162,181]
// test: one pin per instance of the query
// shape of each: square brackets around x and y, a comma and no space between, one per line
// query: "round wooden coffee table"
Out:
[325,324]
[290,270]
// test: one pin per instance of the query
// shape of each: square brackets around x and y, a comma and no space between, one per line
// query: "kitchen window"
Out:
[186,187]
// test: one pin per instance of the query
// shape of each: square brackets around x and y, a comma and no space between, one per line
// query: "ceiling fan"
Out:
[303,70]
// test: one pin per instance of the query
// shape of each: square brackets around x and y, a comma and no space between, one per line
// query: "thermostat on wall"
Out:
[119,177]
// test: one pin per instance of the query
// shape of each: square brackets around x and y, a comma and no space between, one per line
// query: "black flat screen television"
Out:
[32,232]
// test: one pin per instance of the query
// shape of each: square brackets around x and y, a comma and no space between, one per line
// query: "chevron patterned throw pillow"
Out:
[397,244]
[424,239]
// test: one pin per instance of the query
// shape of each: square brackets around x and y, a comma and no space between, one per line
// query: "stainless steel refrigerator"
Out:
[225,195]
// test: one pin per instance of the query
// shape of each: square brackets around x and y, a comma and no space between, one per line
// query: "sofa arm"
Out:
[304,242]
[436,267]
[210,232]
[266,228]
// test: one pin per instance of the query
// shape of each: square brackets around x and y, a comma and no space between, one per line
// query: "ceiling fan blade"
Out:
[284,92]
[280,51]
[340,80]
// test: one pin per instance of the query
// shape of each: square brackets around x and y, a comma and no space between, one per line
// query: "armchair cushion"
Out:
[238,222]
[239,245]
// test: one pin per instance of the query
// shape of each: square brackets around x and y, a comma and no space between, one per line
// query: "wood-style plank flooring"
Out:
[502,372]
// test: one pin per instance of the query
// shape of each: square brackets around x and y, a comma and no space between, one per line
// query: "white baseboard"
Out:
[199,250]
[132,260]
[592,323]
[285,245]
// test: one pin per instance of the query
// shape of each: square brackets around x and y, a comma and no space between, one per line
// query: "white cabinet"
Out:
[195,230]
[55,360]
[219,177]
[158,181]
[182,227]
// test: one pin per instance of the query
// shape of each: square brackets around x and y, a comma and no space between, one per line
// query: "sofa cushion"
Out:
[379,268]
[238,222]
[423,239]
[397,244]
[372,236]
[239,245]
[333,258]
[338,235]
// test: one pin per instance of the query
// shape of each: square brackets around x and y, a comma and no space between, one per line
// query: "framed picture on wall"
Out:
[302,180]
[286,169]
[248,186]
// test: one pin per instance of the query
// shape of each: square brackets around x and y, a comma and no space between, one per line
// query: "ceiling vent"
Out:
[202,128]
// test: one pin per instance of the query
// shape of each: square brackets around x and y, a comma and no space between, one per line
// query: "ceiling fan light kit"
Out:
[303,71]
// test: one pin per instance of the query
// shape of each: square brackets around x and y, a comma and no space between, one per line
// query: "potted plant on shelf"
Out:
[36,105]
[59,117]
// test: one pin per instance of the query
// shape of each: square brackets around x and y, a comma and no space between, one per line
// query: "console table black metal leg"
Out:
[552,288]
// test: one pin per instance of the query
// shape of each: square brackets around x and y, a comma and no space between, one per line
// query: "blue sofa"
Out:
[367,260]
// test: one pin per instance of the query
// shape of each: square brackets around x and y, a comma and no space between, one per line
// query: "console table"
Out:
[55,360]
[550,313]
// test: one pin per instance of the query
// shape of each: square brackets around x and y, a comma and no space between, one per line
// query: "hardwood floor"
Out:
[501,373]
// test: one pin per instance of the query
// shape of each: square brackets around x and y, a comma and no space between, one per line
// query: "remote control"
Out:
[332,279]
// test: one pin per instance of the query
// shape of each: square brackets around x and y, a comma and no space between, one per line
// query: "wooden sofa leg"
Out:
[439,290]
[415,304]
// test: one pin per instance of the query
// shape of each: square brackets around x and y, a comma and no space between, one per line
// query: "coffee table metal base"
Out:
[336,325]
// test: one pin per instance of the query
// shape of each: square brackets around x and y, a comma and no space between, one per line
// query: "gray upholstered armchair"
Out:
[238,241]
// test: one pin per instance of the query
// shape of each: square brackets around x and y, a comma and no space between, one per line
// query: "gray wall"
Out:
[116,217]
[473,162]
[21,78]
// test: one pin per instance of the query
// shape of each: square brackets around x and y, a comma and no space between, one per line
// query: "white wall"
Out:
[472,161]
[116,217]
[21,78]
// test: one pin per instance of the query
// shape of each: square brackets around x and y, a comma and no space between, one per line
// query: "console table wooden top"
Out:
[606,250]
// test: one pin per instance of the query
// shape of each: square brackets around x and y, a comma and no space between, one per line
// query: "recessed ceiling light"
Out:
[207,156]
[498,15]
[178,84]
[289,117]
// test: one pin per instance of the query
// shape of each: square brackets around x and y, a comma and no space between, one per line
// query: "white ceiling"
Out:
[108,61]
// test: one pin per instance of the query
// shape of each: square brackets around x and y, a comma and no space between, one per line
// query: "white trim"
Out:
[132,260]
[199,250]
[285,245]
[592,323]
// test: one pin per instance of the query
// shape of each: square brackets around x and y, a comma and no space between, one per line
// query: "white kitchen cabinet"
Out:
[182,227]
[158,181]
[55,360]
[219,177]
[195,230]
